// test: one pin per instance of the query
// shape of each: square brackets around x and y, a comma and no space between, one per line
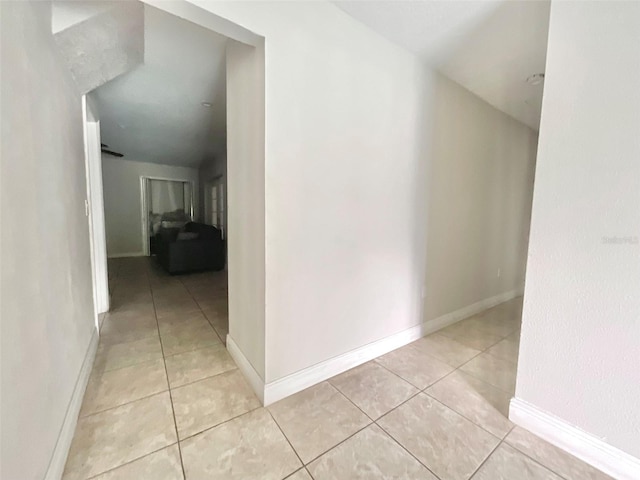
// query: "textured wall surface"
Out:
[106,44]
[47,300]
[580,346]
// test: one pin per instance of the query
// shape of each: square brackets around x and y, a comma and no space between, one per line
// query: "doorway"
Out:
[242,217]
[167,203]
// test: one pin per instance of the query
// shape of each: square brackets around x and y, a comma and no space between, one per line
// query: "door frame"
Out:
[94,205]
[144,180]
[206,196]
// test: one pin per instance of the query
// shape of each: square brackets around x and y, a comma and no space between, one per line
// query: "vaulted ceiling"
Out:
[155,112]
[490,47]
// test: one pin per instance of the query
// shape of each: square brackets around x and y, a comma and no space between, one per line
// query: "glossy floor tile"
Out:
[209,402]
[165,401]
[246,448]
[164,464]
[415,365]
[119,355]
[317,419]
[373,388]
[495,371]
[552,457]
[116,387]
[195,365]
[483,404]
[454,447]
[446,349]
[117,436]
[369,454]
[506,463]
[301,474]
[505,349]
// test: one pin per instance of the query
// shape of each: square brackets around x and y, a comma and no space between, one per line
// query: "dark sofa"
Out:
[205,251]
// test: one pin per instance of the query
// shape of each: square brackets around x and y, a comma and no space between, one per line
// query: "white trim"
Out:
[95,207]
[283,387]
[61,450]
[125,255]
[253,377]
[144,191]
[577,442]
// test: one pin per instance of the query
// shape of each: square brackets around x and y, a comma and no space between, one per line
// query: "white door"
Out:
[95,211]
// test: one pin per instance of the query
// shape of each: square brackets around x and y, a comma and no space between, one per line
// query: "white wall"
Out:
[47,309]
[350,140]
[122,202]
[246,201]
[580,346]
[479,187]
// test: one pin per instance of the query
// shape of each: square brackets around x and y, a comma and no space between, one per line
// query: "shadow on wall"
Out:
[477,185]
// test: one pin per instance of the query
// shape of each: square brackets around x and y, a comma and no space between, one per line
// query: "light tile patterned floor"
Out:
[165,401]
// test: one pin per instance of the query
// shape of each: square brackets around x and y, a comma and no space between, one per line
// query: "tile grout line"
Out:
[131,461]
[393,373]
[124,404]
[482,380]
[203,378]
[219,424]
[213,345]
[225,296]
[166,372]
[537,461]
[466,418]
[459,413]
[500,440]
[236,368]
[338,444]
[485,459]
[286,438]
[349,400]
[406,449]
[296,471]
[373,421]
[424,390]
[459,367]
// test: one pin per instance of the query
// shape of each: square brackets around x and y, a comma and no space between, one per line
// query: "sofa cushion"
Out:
[205,232]
[168,235]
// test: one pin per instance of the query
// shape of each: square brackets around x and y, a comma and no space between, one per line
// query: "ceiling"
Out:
[154,113]
[489,47]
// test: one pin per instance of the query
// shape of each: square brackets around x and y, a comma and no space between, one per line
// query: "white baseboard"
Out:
[126,255]
[477,307]
[253,377]
[577,442]
[61,450]
[283,387]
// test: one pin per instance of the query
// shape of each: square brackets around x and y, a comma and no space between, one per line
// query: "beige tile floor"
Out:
[165,401]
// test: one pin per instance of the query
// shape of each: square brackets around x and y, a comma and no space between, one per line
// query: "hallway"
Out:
[165,400]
